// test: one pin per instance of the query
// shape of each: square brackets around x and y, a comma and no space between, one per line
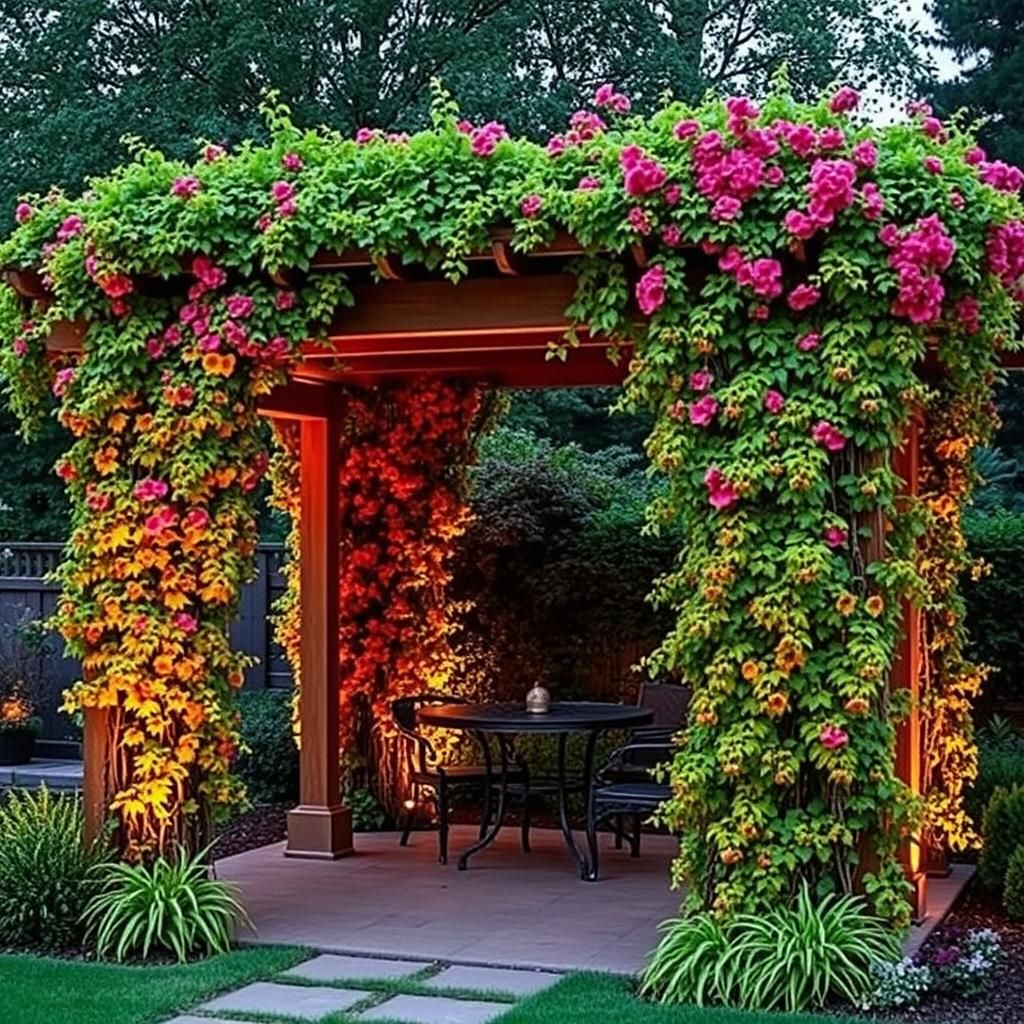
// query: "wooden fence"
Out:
[25,594]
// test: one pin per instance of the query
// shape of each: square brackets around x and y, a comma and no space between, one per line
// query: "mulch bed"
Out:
[1003,1001]
[251,830]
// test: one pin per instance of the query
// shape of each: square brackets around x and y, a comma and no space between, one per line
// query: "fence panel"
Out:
[25,594]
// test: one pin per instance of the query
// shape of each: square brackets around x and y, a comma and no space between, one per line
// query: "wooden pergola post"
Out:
[319,827]
[906,674]
[96,792]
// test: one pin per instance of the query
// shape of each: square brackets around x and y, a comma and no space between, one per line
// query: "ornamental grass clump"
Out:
[46,872]
[794,958]
[171,906]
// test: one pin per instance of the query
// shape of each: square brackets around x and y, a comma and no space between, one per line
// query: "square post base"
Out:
[319,833]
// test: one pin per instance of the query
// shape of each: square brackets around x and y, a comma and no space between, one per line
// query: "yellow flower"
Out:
[874,605]
[846,603]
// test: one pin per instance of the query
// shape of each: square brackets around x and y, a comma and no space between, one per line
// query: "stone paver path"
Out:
[55,773]
[355,989]
[301,1001]
[435,1010]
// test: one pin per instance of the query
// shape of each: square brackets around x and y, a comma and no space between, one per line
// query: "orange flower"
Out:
[707,718]
[777,704]
[731,856]
[750,670]
[163,664]
[874,605]
[105,461]
[219,365]
[857,706]
[846,603]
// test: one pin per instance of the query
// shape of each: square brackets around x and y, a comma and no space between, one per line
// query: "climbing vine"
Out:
[776,274]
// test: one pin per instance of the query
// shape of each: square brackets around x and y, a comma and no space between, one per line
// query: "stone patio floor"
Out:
[365,989]
[509,907]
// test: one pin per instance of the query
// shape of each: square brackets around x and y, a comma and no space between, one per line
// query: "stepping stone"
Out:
[330,967]
[435,1010]
[306,1003]
[494,979]
[201,1020]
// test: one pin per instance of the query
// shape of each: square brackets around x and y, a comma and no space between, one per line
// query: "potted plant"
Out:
[22,646]
[18,728]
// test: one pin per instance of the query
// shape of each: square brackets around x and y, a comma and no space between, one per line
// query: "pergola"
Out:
[498,325]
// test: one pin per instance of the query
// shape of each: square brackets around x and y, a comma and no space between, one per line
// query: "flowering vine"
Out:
[777,274]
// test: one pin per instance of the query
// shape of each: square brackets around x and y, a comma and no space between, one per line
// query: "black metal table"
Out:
[506,721]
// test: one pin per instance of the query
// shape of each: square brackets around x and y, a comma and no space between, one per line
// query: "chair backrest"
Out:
[403,711]
[668,701]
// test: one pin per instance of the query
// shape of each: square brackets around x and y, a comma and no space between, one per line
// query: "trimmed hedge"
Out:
[270,768]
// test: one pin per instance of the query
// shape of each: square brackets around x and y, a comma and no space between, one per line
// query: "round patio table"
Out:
[506,721]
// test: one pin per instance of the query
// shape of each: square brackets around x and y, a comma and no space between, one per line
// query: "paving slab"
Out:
[435,1010]
[330,967]
[190,1019]
[302,1001]
[494,979]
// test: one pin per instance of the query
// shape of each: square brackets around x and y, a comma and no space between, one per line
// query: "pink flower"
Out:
[584,126]
[606,96]
[844,100]
[603,94]
[832,737]
[889,236]
[196,519]
[62,381]
[159,521]
[700,380]
[872,201]
[211,342]
[23,212]
[531,205]
[288,208]
[686,129]
[836,536]
[589,184]
[1002,176]
[731,260]
[828,436]
[774,401]
[721,493]
[282,191]
[831,138]
[801,138]
[672,194]
[799,224]
[19,347]
[185,188]
[155,348]
[774,175]
[671,235]
[208,273]
[484,140]
[641,175]
[975,155]
[831,188]
[367,135]
[213,153]
[239,306]
[292,162]
[726,208]
[933,165]
[865,154]
[918,108]
[803,296]
[70,227]
[556,145]
[116,286]
[284,300]
[808,342]
[185,622]
[150,489]
[968,313]
[703,411]
[956,200]
[639,220]
[463,127]
[650,290]
[932,127]
[677,410]
[764,276]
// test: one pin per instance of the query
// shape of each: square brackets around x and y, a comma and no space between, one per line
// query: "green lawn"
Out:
[35,990]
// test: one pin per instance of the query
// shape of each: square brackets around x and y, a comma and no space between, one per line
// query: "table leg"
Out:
[563,795]
[495,828]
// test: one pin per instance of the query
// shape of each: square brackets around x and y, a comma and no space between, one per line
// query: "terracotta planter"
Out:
[16,746]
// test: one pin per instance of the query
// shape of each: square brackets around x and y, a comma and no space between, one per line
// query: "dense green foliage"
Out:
[79,76]
[791,958]
[36,989]
[1003,829]
[1000,763]
[269,762]
[45,871]
[1013,887]
[170,905]
[987,37]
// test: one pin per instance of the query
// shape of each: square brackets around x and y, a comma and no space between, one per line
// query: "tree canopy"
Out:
[79,76]
[987,36]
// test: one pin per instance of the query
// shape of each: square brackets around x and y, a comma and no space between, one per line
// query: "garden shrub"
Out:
[997,638]
[171,905]
[899,984]
[999,764]
[791,958]
[45,870]
[1002,833]
[269,766]
[1013,889]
